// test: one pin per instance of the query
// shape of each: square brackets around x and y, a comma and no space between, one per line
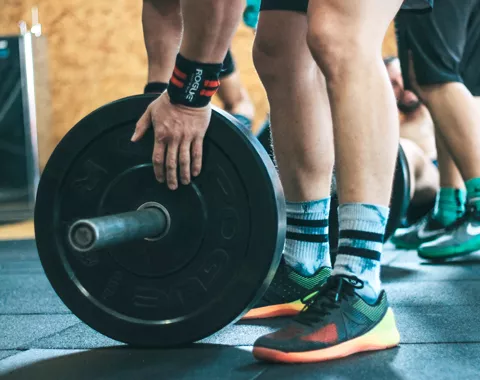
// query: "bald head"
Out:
[407,101]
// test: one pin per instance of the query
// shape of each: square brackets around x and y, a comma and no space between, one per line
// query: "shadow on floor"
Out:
[199,361]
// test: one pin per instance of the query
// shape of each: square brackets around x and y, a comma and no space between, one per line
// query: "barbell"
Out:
[145,265]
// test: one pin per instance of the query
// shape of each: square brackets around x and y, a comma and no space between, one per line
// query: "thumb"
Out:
[142,125]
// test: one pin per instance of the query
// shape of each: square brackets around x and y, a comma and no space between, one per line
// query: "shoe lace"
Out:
[327,298]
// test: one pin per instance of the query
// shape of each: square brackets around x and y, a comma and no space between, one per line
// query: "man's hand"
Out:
[179,133]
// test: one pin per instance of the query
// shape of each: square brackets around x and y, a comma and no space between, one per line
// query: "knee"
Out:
[268,60]
[338,52]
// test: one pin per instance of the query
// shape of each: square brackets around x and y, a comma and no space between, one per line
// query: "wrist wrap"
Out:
[193,83]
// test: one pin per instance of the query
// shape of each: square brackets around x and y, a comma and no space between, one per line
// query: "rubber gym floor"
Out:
[436,306]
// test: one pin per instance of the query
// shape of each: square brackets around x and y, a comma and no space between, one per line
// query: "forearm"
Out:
[162,30]
[209,26]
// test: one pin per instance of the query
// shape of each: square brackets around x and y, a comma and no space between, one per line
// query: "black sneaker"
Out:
[424,230]
[335,323]
[287,292]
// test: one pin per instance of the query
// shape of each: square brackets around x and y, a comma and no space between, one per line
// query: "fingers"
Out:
[142,125]
[171,164]
[184,160]
[197,152]
[186,155]
[158,160]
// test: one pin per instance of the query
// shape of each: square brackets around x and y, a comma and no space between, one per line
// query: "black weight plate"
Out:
[400,194]
[224,244]
[398,204]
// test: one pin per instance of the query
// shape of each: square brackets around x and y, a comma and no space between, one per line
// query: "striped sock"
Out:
[306,246]
[362,230]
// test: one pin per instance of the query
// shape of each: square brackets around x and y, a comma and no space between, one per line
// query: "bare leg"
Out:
[457,119]
[345,38]
[300,114]
[234,96]
[365,125]
[302,135]
[449,175]
[363,104]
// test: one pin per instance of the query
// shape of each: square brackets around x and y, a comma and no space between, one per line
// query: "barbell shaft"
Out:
[106,231]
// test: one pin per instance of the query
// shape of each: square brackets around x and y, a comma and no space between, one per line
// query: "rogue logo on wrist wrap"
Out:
[193,83]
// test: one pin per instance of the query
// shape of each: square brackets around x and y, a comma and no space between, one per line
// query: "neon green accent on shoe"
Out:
[310,282]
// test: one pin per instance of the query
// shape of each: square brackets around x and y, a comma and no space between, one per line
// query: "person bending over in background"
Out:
[440,58]
[162,26]
[417,137]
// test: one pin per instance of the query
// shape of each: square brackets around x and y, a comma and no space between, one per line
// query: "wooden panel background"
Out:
[96,54]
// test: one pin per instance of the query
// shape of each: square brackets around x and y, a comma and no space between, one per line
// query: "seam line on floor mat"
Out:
[26,346]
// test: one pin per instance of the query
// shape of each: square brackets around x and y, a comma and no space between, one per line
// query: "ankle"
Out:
[362,229]
[306,247]
[367,271]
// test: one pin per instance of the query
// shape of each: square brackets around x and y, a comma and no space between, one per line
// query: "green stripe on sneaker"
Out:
[375,312]
[310,282]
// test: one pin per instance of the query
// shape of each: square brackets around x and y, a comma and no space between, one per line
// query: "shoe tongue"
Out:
[321,304]
[331,290]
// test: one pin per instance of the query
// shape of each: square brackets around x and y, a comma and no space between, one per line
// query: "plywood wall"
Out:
[96,54]
[390,43]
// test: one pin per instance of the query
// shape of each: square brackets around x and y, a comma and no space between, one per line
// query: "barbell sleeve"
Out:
[106,231]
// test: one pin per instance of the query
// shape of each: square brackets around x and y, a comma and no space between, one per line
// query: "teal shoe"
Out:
[423,231]
[460,238]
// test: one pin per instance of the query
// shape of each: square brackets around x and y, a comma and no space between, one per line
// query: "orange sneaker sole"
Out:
[273,311]
[383,336]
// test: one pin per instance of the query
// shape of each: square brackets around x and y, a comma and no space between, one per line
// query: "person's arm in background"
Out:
[181,115]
